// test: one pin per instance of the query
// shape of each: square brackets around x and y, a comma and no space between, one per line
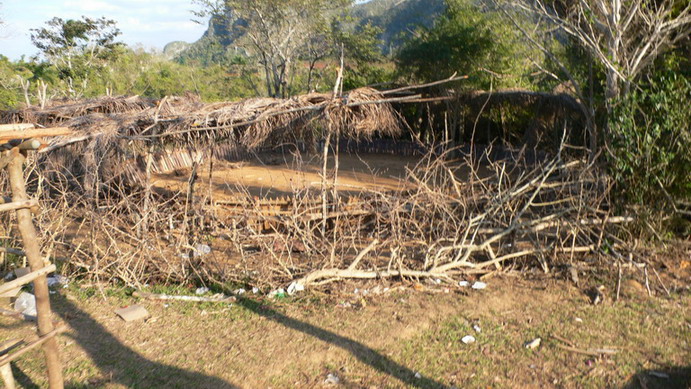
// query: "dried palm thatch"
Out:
[59,113]
[114,134]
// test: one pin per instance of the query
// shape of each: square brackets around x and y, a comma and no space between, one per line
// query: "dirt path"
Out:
[402,338]
[372,171]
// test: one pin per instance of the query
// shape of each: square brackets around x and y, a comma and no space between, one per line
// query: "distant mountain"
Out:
[397,19]
[173,49]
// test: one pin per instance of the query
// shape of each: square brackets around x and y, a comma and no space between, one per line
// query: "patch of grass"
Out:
[645,333]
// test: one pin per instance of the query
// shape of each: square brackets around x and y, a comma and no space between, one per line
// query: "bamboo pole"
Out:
[23,280]
[43,339]
[33,255]
[6,135]
[16,127]
[17,205]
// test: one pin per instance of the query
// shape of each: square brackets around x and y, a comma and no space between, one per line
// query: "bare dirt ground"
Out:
[277,176]
[393,335]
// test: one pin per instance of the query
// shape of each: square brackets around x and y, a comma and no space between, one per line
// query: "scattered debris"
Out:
[255,290]
[578,320]
[201,250]
[239,292]
[468,339]
[202,290]
[295,287]
[463,284]
[26,304]
[477,328]
[479,285]
[533,344]
[57,279]
[132,313]
[22,271]
[418,375]
[596,294]
[278,293]
[573,273]
[658,374]
[332,379]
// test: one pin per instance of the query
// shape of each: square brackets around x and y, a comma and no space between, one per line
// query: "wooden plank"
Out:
[21,281]
[15,205]
[6,135]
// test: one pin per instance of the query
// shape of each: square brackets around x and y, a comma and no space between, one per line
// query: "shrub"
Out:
[651,152]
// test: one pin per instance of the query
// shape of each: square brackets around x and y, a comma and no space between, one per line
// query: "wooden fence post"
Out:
[33,256]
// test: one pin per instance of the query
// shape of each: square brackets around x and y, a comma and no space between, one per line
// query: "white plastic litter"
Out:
[26,304]
[332,379]
[255,290]
[239,292]
[477,328]
[468,339]
[277,293]
[202,290]
[57,280]
[201,249]
[463,284]
[295,287]
[533,344]
[479,285]
[418,375]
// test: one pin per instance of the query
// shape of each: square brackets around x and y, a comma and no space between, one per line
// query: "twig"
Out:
[362,254]
[591,352]
[616,299]
[661,283]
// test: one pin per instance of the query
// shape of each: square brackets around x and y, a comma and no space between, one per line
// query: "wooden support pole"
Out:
[16,205]
[33,256]
[6,135]
[43,339]
[21,281]
[7,377]
[16,127]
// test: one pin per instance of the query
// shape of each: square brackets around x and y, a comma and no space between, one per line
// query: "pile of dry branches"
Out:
[450,216]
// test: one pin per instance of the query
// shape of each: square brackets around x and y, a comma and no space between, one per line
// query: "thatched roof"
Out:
[120,129]
[251,122]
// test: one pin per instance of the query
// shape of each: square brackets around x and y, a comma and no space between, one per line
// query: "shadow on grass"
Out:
[363,353]
[666,378]
[119,363]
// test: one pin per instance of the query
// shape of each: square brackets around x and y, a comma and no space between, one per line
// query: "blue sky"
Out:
[152,23]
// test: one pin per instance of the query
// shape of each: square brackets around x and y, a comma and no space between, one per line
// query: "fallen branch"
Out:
[212,299]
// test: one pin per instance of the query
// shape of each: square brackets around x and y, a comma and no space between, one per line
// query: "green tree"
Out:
[277,32]
[465,39]
[77,47]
